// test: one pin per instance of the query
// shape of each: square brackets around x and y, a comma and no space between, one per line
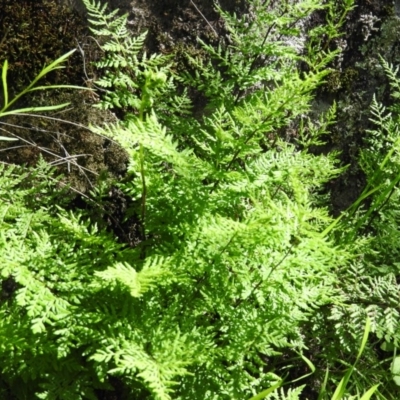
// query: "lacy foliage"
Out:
[239,263]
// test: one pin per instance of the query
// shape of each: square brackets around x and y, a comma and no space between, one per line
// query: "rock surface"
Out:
[39,31]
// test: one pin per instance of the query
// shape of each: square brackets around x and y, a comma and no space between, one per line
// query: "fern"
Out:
[291,394]
[55,302]
[234,270]
[370,286]
[227,203]
[133,80]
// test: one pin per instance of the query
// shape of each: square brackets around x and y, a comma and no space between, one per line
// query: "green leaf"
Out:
[323,386]
[54,65]
[7,139]
[60,87]
[266,392]
[364,340]
[341,388]
[396,380]
[367,395]
[310,365]
[386,346]
[31,87]
[4,81]
[35,109]
[395,369]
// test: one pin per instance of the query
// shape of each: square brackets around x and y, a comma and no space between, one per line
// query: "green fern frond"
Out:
[290,394]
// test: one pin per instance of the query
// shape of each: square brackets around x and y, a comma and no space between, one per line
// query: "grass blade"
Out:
[54,65]
[310,365]
[324,383]
[36,109]
[266,392]
[367,395]
[4,81]
[341,388]
[59,87]
[7,139]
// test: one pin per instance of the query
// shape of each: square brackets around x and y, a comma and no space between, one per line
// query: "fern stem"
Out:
[253,64]
[261,281]
[239,150]
[144,191]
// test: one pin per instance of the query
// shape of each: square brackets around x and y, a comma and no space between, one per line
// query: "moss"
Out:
[33,34]
[389,10]
[341,80]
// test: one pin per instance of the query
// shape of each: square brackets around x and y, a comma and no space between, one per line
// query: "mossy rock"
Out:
[34,34]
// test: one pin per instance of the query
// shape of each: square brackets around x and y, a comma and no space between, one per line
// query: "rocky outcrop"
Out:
[371,31]
[34,32]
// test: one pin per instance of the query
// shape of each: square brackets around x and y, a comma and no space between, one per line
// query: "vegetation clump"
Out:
[240,281]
